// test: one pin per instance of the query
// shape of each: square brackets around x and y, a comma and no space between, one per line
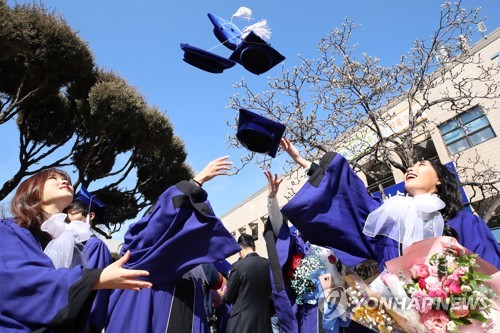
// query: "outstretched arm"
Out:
[294,153]
[116,277]
[272,204]
[217,167]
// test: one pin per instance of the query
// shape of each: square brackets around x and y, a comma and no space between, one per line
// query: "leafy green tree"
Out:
[70,113]
[40,55]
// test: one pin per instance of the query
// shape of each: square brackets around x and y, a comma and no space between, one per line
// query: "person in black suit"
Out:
[249,290]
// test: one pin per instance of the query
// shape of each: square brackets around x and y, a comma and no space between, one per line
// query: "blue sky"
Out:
[139,40]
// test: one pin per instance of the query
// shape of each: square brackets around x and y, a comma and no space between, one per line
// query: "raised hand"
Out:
[273,184]
[217,167]
[294,153]
[115,276]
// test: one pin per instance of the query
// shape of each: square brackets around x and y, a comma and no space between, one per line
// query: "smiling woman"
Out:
[45,297]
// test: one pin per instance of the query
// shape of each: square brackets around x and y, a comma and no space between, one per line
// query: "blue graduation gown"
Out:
[36,296]
[180,233]
[331,208]
[98,256]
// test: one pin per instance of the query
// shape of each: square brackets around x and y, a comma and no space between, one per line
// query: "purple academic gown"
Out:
[98,256]
[301,318]
[331,208]
[36,296]
[180,233]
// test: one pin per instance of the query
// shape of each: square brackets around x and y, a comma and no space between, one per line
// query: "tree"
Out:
[115,121]
[70,113]
[41,55]
[344,97]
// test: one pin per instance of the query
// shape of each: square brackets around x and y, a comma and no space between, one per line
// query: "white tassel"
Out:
[243,12]
[260,28]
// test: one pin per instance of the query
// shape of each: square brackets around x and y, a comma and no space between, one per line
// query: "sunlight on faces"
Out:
[421,178]
[57,193]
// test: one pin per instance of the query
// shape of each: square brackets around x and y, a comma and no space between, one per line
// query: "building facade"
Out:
[474,133]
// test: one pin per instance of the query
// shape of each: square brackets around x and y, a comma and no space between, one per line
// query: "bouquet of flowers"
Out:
[305,275]
[451,288]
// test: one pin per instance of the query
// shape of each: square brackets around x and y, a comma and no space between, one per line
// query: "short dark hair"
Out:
[246,240]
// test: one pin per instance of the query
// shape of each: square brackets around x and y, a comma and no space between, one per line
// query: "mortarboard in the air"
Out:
[259,134]
[256,55]
[205,60]
[226,32]
[250,50]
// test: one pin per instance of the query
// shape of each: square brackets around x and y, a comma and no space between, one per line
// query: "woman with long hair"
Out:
[35,296]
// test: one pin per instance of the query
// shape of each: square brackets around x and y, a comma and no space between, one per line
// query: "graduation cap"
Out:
[259,134]
[91,201]
[256,55]
[249,47]
[205,60]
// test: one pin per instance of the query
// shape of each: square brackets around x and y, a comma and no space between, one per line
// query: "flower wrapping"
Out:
[452,289]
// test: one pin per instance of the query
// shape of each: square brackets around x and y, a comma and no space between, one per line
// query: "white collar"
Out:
[407,219]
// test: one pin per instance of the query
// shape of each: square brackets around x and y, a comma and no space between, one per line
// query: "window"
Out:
[233,233]
[425,150]
[242,230]
[254,227]
[466,130]
[380,173]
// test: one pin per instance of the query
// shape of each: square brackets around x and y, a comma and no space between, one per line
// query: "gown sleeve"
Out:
[180,233]
[34,294]
[475,235]
[331,208]
[98,256]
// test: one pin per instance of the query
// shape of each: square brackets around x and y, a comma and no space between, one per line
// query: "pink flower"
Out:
[459,311]
[432,284]
[435,321]
[438,293]
[455,289]
[461,270]
[419,271]
[433,270]
[451,279]
[421,301]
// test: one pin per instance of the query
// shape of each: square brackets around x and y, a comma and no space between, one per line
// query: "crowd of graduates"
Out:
[172,276]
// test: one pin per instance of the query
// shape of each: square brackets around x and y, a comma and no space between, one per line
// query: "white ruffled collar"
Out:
[56,225]
[407,219]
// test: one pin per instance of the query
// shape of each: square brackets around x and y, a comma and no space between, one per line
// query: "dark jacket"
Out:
[249,290]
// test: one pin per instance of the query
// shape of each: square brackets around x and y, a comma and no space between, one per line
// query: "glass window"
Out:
[254,227]
[379,174]
[449,126]
[454,135]
[458,146]
[482,135]
[466,130]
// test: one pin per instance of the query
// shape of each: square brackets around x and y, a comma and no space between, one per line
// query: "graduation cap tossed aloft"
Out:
[259,134]
[91,201]
[249,47]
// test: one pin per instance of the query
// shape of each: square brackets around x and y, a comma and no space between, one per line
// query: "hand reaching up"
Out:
[273,184]
[294,153]
[115,276]
[214,168]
